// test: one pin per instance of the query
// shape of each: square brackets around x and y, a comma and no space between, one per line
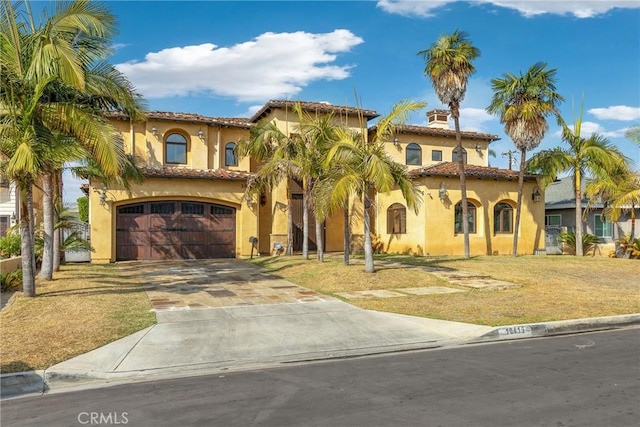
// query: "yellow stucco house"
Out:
[192,203]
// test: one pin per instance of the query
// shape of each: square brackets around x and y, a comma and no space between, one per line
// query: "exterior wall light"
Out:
[478,149]
[102,195]
[536,195]
[201,134]
[442,191]
[13,218]
[154,131]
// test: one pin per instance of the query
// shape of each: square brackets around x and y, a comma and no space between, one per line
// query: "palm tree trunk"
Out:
[346,234]
[57,233]
[46,270]
[319,241]
[305,225]
[289,249]
[32,225]
[633,221]
[455,112]
[368,246]
[26,247]
[578,193]
[516,230]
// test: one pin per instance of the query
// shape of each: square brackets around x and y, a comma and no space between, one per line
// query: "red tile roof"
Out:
[182,172]
[480,172]
[425,130]
[186,117]
[322,107]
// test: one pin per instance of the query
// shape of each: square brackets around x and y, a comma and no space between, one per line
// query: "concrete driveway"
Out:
[217,315]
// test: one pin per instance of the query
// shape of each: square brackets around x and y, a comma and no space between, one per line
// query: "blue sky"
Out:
[226,59]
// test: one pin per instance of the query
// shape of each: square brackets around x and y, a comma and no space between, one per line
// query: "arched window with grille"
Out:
[230,158]
[471,217]
[396,219]
[503,218]
[414,154]
[175,148]
[455,154]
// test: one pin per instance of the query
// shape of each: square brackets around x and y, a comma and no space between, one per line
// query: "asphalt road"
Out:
[579,380]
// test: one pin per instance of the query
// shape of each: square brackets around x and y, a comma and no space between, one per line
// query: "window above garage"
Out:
[175,149]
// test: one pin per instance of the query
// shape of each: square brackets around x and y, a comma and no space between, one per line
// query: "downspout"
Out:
[217,164]
[377,214]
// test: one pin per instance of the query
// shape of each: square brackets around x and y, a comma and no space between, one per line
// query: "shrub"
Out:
[13,279]
[628,247]
[589,242]
[83,209]
[10,246]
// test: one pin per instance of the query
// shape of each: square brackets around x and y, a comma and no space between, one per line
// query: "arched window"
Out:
[396,219]
[230,158]
[175,147]
[455,158]
[414,154]
[503,218]
[471,215]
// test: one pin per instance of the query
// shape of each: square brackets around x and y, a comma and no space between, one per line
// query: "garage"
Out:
[175,230]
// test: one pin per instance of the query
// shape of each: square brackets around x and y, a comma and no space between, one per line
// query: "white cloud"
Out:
[273,65]
[475,119]
[117,46]
[251,111]
[616,112]
[586,129]
[577,8]
[412,7]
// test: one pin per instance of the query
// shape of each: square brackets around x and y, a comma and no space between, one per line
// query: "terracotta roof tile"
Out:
[323,107]
[187,117]
[182,172]
[472,171]
[425,130]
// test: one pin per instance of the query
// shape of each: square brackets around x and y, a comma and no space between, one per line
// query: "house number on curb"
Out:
[515,331]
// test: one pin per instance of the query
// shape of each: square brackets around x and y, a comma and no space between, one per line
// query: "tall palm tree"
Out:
[449,63]
[38,63]
[594,156]
[368,168]
[523,103]
[317,134]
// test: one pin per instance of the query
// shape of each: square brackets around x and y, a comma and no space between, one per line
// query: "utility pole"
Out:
[510,154]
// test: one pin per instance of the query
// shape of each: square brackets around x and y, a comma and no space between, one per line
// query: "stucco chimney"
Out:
[438,119]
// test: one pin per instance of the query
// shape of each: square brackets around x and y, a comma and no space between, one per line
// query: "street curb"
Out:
[560,327]
[19,383]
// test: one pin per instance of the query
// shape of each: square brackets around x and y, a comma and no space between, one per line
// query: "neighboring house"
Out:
[560,215]
[192,203]
[9,205]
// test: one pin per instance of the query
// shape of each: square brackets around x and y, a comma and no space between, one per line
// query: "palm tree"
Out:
[368,168]
[43,71]
[619,189]
[271,148]
[317,134]
[523,103]
[594,156]
[633,134]
[449,65]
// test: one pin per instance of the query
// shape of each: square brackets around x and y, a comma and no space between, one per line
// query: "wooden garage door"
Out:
[175,230]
